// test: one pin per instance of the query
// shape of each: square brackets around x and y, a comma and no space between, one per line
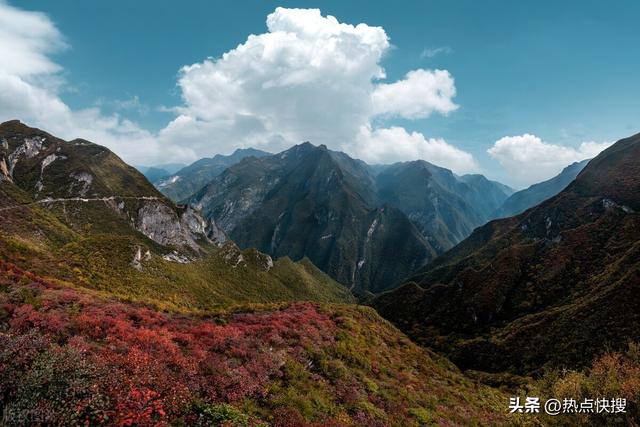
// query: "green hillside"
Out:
[116,233]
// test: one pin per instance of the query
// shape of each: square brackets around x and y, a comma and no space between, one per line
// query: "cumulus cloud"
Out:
[30,85]
[528,159]
[309,77]
[421,93]
[395,144]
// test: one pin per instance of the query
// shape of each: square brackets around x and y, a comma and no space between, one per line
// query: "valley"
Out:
[329,214]
[222,309]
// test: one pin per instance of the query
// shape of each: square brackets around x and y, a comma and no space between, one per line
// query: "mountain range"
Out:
[555,286]
[158,172]
[119,307]
[74,210]
[189,179]
[445,207]
[368,228]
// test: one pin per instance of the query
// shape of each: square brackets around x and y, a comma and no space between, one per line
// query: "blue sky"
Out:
[547,75]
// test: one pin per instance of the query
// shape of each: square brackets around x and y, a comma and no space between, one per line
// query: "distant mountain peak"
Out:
[524,199]
[248,151]
[188,180]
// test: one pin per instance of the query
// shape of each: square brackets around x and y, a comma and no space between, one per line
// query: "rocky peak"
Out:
[84,176]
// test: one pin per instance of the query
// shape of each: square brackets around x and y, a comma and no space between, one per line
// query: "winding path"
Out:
[80,199]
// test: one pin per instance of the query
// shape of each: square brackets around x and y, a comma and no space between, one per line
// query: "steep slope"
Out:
[93,188]
[154,174]
[185,182]
[71,357]
[310,201]
[554,286]
[74,210]
[446,208]
[170,168]
[524,199]
[484,195]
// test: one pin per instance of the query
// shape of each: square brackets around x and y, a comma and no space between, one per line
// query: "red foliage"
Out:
[151,366]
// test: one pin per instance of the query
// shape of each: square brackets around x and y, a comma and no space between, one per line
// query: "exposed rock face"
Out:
[161,224]
[177,257]
[81,184]
[312,202]
[4,171]
[215,233]
[193,222]
[80,175]
[139,257]
[30,148]
[232,254]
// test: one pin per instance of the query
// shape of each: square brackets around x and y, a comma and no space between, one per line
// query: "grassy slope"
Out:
[36,238]
[78,357]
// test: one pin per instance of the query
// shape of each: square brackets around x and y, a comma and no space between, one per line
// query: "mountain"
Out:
[186,181]
[75,177]
[552,287]
[484,195]
[74,210]
[155,172]
[171,168]
[446,208]
[119,308]
[310,201]
[529,197]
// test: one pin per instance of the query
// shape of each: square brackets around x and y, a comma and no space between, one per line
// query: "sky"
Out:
[513,90]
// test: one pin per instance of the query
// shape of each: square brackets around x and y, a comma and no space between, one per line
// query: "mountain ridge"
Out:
[522,200]
[88,217]
[525,293]
[310,201]
[189,179]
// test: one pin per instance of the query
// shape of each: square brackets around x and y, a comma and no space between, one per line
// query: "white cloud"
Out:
[26,41]
[30,82]
[431,52]
[394,144]
[421,93]
[309,77]
[528,159]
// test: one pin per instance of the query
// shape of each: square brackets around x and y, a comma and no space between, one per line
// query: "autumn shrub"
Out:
[71,358]
[613,375]
[43,383]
